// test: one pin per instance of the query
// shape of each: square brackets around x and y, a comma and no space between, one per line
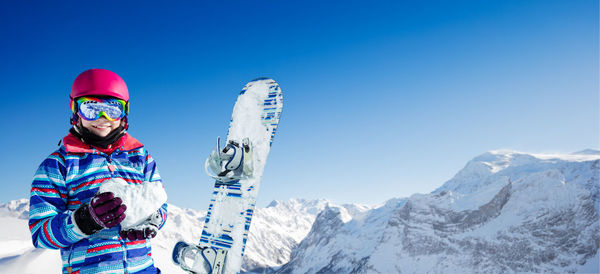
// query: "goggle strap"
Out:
[73,106]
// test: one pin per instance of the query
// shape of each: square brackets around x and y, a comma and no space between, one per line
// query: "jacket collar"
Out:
[75,145]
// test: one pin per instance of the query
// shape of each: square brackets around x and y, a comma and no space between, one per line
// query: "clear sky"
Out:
[383,99]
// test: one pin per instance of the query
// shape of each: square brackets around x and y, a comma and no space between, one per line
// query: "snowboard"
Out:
[255,119]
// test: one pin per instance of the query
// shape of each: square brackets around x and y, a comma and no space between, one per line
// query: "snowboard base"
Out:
[253,124]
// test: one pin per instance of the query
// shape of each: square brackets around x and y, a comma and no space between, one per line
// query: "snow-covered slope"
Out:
[276,230]
[505,211]
[341,235]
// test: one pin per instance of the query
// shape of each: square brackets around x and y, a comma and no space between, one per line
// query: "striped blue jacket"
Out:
[70,177]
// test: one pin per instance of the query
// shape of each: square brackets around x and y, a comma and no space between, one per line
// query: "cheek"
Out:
[84,122]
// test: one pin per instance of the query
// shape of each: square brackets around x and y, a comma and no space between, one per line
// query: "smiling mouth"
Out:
[102,127]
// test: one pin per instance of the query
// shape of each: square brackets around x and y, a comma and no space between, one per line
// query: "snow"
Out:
[33,261]
[17,254]
[15,236]
[227,209]
[246,119]
[142,200]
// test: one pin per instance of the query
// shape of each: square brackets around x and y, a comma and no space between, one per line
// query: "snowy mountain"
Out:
[504,212]
[276,230]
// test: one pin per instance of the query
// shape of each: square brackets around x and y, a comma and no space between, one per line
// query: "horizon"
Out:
[382,100]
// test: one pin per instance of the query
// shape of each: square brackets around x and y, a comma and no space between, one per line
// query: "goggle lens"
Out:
[92,108]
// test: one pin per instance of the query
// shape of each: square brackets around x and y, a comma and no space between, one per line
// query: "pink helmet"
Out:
[99,82]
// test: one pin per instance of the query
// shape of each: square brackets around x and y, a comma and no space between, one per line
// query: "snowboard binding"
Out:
[232,163]
[203,259]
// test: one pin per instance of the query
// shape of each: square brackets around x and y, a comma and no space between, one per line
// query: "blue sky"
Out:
[383,99]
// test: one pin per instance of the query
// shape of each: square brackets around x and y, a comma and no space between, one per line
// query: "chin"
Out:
[102,133]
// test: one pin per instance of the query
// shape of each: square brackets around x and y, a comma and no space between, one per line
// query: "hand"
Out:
[146,230]
[138,234]
[104,211]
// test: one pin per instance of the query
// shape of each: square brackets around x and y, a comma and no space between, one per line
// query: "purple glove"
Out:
[147,230]
[104,211]
[137,234]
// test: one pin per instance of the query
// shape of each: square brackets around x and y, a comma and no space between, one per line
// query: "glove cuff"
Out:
[85,221]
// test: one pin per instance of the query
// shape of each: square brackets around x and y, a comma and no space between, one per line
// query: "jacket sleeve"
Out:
[151,174]
[50,222]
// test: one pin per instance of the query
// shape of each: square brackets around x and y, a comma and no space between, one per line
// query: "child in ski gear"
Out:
[66,210]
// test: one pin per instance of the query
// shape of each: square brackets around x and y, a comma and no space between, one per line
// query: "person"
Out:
[66,210]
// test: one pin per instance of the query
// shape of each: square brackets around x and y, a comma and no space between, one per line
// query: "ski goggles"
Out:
[90,108]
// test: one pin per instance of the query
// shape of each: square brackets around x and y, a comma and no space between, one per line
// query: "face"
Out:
[101,127]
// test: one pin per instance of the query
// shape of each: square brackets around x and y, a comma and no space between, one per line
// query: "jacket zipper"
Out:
[124,255]
[69,267]
[111,166]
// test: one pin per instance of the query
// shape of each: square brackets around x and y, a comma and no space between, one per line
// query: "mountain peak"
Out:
[487,168]
[587,152]
[15,208]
